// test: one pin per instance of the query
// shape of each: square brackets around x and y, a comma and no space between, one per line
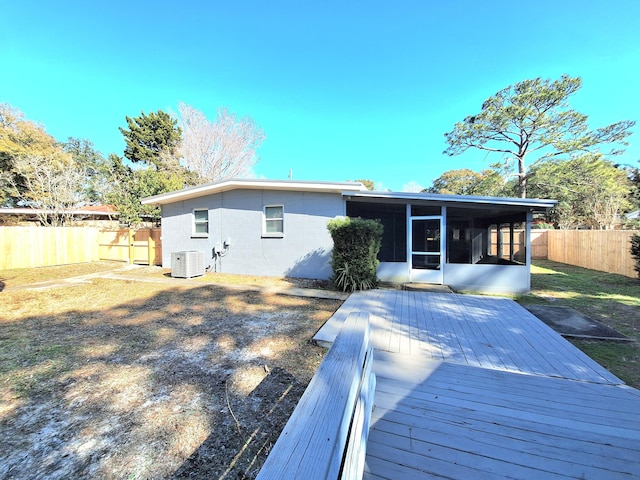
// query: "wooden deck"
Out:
[488,332]
[477,387]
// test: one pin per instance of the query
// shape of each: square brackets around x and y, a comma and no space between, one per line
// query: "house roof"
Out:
[347,189]
[535,204]
[255,184]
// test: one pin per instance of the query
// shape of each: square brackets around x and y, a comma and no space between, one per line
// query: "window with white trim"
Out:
[200,222]
[273,223]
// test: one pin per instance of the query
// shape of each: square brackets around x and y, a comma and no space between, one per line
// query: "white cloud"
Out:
[413,187]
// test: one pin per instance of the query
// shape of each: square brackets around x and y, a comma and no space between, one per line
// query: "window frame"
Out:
[265,220]
[195,222]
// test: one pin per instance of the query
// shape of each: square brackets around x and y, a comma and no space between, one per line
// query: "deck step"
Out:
[426,287]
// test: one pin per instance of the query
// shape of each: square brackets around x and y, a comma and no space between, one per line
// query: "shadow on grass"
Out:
[583,289]
[135,388]
[613,300]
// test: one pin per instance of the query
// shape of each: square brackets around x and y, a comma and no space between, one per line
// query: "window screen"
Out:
[274,219]
[201,222]
[394,223]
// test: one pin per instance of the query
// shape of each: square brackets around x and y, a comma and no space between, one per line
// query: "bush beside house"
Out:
[635,252]
[356,243]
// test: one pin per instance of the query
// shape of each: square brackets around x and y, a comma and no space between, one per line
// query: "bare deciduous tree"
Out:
[221,149]
[53,182]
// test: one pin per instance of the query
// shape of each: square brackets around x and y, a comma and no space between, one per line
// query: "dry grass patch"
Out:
[233,279]
[28,276]
[125,379]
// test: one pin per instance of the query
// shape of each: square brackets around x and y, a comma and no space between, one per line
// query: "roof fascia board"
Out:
[235,184]
[464,199]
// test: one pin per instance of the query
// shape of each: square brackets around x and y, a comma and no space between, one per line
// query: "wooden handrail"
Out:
[326,435]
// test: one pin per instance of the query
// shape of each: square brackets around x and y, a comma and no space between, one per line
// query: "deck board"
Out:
[469,422]
[478,387]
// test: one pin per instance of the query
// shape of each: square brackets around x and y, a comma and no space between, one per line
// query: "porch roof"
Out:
[533,204]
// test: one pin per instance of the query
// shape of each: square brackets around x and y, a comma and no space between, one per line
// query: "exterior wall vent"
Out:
[187,264]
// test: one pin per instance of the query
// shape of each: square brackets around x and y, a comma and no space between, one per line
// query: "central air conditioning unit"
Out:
[187,264]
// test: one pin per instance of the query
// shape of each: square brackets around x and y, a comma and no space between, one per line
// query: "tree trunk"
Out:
[522,177]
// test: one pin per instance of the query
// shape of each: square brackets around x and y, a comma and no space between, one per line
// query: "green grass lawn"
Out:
[613,300]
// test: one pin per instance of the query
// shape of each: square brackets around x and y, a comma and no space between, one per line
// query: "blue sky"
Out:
[343,89]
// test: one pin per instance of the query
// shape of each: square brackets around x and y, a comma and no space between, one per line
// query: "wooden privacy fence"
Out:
[539,247]
[604,250]
[143,246]
[30,247]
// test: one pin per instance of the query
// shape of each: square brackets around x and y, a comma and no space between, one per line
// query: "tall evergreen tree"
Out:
[533,117]
[151,139]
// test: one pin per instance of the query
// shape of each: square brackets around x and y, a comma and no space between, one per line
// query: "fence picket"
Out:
[603,250]
[30,247]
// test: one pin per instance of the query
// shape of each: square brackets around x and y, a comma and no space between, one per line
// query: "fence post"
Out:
[131,249]
[151,248]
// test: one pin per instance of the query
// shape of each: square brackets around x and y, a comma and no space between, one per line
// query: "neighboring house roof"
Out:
[633,215]
[255,184]
[92,210]
[348,189]
[97,209]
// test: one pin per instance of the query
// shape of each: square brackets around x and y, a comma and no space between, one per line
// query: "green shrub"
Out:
[543,226]
[633,224]
[635,252]
[356,243]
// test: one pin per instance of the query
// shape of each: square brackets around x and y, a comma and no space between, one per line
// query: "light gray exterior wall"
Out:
[476,278]
[237,216]
[488,278]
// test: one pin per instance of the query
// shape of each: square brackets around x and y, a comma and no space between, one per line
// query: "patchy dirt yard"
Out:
[121,379]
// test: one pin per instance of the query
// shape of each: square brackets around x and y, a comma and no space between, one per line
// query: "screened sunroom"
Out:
[467,243]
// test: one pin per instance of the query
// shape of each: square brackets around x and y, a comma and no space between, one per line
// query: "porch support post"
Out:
[409,242]
[527,240]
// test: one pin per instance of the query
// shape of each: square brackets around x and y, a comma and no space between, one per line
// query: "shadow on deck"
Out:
[478,387]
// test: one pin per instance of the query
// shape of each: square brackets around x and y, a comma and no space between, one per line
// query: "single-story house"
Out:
[633,215]
[279,228]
